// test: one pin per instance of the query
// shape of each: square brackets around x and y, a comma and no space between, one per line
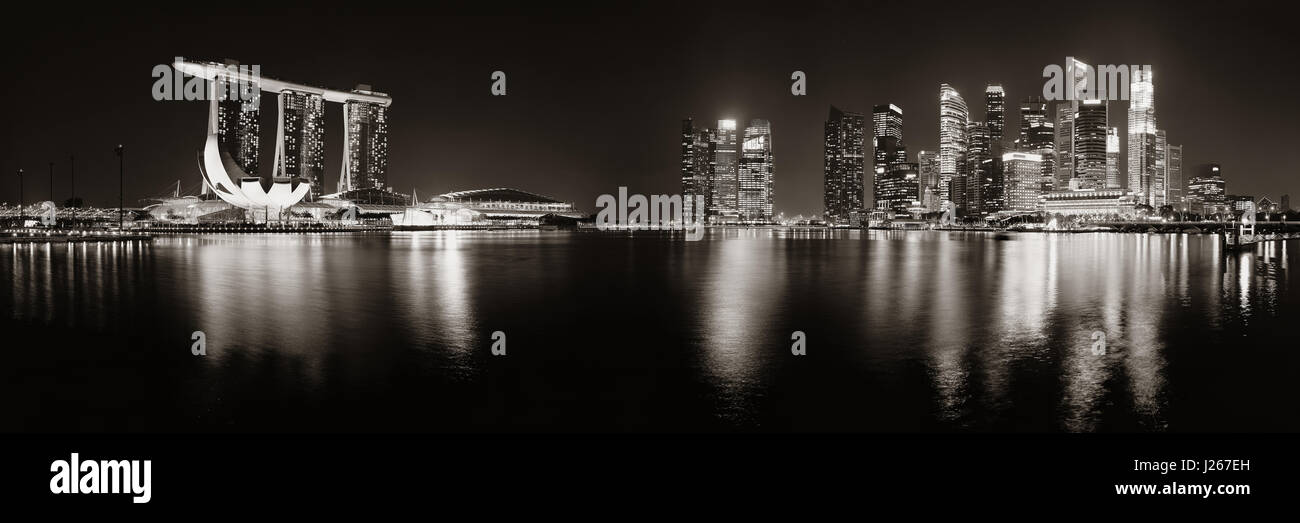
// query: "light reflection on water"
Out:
[907,330]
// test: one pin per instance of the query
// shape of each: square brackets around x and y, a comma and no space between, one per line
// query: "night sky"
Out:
[596,93]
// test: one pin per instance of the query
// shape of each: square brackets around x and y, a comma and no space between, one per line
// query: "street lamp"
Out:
[121,185]
[21,218]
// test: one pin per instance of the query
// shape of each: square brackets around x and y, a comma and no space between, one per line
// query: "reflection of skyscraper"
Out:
[1112,159]
[843,164]
[726,184]
[889,151]
[1090,128]
[953,116]
[1141,135]
[696,168]
[300,150]
[1175,187]
[366,135]
[755,173]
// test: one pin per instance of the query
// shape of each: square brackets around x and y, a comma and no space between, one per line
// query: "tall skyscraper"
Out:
[1142,136]
[1036,129]
[1175,187]
[1064,145]
[696,168]
[1159,187]
[1024,181]
[1286,203]
[1113,180]
[928,167]
[1090,128]
[238,122]
[1207,191]
[953,117]
[995,100]
[726,182]
[844,162]
[979,166]
[300,150]
[756,172]
[889,151]
[366,133]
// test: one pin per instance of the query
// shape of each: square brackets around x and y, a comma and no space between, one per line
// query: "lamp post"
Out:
[21,218]
[121,185]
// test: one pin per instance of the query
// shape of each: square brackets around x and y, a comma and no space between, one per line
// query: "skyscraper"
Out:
[1090,129]
[1175,185]
[1159,187]
[899,189]
[1207,191]
[1036,130]
[1142,136]
[1064,145]
[366,165]
[995,100]
[1113,180]
[696,168]
[1024,181]
[726,183]
[300,150]
[928,167]
[756,172]
[238,117]
[843,165]
[953,116]
[889,151]
[979,167]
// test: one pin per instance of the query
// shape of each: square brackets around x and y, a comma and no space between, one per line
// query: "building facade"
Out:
[366,135]
[756,173]
[1024,181]
[843,165]
[953,118]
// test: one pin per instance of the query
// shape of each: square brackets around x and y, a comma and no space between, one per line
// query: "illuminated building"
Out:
[1175,187]
[300,146]
[1091,203]
[1142,136]
[995,103]
[953,117]
[1036,130]
[1206,191]
[755,173]
[1024,172]
[725,182]
[696,167]
[928,166]
[1064,145]
[979,166]
[366,135]
[501,207]
[844,161]
[1113,180]
[899,189]
[1090,146]
[889,152]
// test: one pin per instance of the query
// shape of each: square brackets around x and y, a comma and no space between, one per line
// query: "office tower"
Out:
[928,167]
[1113,180]
[1207,190]
[756,172]
[1090,135]
[1047,161]
[979,166]
[995,103]
[1286,199]
[899,189]
[366,133]
[726,183]
[888,150]
[1141,136]
[1158,185]
[1024,172]
[300,148]
[1036,130]
[238,117]
[843,165]
[1064,145]
[953,116]
[696,169]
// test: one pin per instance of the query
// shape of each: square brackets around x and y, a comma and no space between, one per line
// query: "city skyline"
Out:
[448,116]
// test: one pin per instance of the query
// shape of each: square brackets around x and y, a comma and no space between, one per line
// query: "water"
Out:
[905,331]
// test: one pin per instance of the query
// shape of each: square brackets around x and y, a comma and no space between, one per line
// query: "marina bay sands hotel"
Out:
[230,161]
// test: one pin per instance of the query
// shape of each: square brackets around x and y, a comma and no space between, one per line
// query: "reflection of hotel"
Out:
[484,207]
